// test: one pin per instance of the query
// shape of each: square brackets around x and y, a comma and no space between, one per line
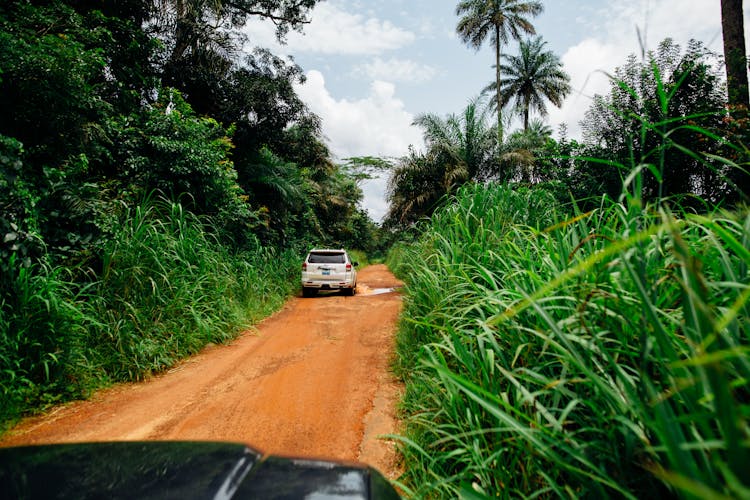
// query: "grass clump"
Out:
[602,356]
[162,289]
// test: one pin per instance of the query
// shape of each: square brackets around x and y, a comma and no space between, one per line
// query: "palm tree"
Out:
[464,143]
[520,153]
[460,148]
[499,20]
[416,187]
[533,77]
[273,181]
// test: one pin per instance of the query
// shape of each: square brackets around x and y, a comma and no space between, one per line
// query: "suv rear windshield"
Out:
[326,258]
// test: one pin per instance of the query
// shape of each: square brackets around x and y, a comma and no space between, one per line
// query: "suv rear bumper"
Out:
[328,285]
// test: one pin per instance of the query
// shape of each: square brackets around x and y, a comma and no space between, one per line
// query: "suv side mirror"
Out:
[355,263]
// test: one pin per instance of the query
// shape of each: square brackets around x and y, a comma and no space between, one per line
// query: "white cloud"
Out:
[396,70]
[587,63]
[375,197]
[334,31]
[618,36]
[377,125]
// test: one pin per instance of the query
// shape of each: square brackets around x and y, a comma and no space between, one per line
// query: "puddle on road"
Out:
[365,290]
[362,290]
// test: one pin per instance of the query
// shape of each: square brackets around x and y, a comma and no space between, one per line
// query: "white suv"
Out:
[327,269]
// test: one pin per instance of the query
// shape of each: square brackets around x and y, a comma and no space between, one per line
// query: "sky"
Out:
[372,66]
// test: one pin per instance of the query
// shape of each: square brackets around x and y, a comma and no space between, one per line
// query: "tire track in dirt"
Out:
[312,380]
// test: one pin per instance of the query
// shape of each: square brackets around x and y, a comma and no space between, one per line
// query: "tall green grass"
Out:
[166,288]
[602,356]
[41,327]
[359,257]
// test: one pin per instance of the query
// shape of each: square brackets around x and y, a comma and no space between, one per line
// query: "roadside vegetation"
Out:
[576,313]
[158,189]
[166,289]
[603,354]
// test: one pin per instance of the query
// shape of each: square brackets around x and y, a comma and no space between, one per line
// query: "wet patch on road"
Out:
[365,290]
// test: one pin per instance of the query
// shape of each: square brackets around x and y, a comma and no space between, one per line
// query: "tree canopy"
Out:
[645,117]
[532,77]
[105,103]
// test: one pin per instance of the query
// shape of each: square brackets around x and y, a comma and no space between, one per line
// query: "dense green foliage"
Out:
[572,326]
[655,113]
[167,287]
[665,116]
[579,329]
[156,190]
[601,355]
[460,148]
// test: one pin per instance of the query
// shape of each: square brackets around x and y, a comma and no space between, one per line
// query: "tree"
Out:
[191,23]
[499,20]
[652,117]
[173,151]
[464,143]
[533,77]
[201,39]
[460,148]
[735,57]
[260,99]
[54,100]
[89,125]
[416,188]
[55,75]
[520,153]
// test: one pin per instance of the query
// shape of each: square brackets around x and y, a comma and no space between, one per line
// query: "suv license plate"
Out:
[326,272]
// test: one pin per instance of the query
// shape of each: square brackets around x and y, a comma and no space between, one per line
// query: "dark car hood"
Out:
[181,470]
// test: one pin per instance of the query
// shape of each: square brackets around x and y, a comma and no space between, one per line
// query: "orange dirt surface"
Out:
[313,380]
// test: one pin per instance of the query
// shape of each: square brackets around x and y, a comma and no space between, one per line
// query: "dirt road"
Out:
[312,380]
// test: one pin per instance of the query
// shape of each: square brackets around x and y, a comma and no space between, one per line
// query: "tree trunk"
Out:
[735,56]
[185,23]
[526,118]
[733,29]
[497,82]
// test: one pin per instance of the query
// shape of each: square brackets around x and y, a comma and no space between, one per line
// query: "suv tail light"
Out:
[304,266]
[348,267]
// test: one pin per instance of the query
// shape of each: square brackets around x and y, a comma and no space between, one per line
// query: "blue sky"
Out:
[372,66]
